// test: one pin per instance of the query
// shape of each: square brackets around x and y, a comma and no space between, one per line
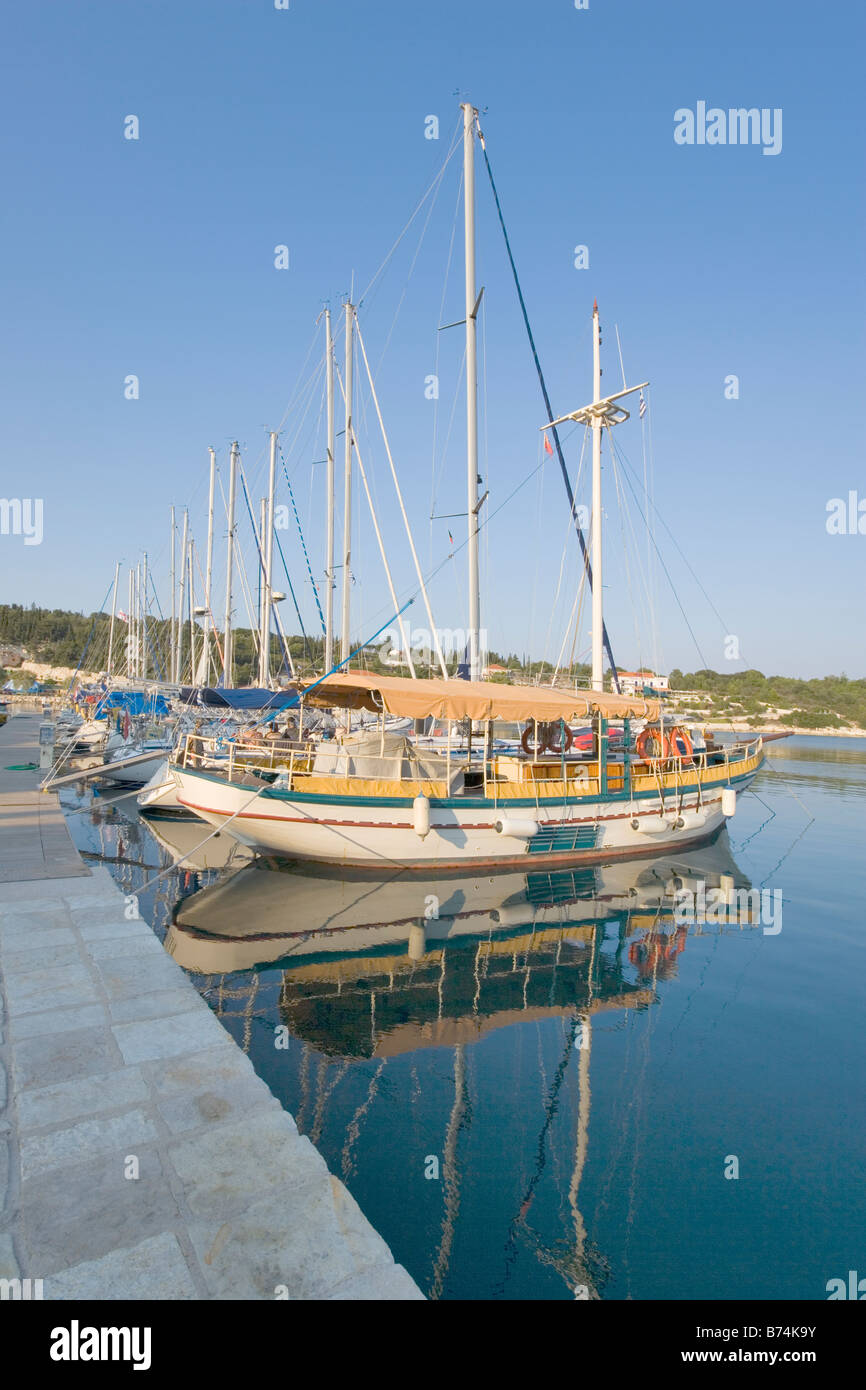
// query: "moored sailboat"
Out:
[419,808]
[454,813]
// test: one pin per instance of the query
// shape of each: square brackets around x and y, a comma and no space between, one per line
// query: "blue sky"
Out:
[306,127]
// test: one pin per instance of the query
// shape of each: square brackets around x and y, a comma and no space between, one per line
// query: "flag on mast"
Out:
[642,408]
[548,447]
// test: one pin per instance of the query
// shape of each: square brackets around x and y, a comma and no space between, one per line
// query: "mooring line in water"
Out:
[788,851]
[177,862]
[105,800]
[797,838]
[790,790]
[771,816]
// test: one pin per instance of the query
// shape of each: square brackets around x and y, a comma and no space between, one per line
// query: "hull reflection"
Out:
[445,962]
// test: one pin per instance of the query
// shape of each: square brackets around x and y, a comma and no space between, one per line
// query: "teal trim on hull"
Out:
[470,803]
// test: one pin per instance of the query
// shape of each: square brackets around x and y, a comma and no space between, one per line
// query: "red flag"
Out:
[548,447]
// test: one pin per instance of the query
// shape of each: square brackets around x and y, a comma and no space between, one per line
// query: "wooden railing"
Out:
[237,759]
[288,759]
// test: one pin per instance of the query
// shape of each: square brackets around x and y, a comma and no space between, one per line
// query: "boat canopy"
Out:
[460,699]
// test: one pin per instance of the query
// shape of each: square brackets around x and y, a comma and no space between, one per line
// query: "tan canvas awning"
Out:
[474,699]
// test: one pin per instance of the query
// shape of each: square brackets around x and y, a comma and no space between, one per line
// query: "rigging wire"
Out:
[625,517]
[436,354]
[662,563]
[412,265]
[562,564]
[303,544]
[577,526]
[680,552]
[454,146]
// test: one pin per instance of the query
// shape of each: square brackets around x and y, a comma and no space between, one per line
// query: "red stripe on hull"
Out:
[408,825]
[528,863]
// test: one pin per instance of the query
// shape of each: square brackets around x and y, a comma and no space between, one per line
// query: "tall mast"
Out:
[602,411]
[145,622]
[209,570]
[173,660]
[329,554]
[130,625]
[469,118]
[347,488]
[144,618]
[227,640]
[138,619]
[191,615]
[178,655]
[263,587]
[597,603]
[267,576]
[132,639]
[111,627]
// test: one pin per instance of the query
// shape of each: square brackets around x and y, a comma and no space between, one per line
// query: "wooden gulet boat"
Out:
[381,803]
[370,805]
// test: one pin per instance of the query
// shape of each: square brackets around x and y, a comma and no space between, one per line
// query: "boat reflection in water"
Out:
[366,972]
[322,924]
[191,845]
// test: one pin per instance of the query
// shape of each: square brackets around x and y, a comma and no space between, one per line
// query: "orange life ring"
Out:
[680,736]
[660,740]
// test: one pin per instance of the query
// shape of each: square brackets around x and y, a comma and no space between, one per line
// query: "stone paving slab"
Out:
[64,1148]
[73,1100]
[66,984]
[162,1003]
[45,1057]
[151,1269]
[140,1155]
[65,1210]
[56,1021]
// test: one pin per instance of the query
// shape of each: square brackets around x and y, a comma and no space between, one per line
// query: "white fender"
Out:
[653,825]
[729,801]
[516,829]
[421,815]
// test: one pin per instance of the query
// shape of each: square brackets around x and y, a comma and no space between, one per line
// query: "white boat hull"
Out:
[159,795]
[139,772]
[380,833]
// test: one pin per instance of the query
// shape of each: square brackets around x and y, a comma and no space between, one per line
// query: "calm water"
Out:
[579,1070]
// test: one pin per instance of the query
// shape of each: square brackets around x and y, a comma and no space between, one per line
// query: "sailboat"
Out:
[383,801]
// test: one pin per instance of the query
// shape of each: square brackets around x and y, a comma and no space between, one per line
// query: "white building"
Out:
[634,682]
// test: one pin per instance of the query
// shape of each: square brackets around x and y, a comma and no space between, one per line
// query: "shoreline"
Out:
[784,729]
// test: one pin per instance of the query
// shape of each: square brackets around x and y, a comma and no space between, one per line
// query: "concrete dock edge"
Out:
[140,1155]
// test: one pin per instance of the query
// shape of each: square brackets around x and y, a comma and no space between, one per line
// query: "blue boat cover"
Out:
[133,702]
[239,699]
